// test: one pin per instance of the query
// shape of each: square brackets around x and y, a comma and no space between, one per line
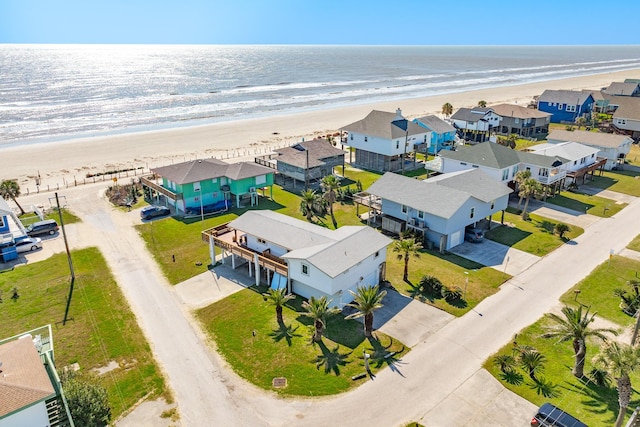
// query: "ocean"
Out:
[54,92]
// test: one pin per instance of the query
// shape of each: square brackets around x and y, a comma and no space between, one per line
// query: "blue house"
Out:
[565,106]
[442,133]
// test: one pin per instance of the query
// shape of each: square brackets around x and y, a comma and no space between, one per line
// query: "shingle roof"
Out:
[592,139]
[318,150]
[624,89]
[436,124]
[379,123]
[511,110]
[441,196]
[498,156]
[628,107]
[567,150]
[471,114]
[200,170]
[331,251]
[24,380]
[570,97]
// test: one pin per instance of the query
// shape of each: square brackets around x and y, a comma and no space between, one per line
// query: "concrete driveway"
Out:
[496,255]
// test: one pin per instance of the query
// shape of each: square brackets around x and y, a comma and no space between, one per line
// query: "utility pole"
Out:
[73,274]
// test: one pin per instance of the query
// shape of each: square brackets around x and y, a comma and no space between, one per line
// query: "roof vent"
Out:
[399,115]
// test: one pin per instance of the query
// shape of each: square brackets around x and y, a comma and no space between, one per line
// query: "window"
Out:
[262,241]
[514,171]
[405,208]
[560,106]
[475,166]
[305,269]
[377,254]
[366,139]
[505,174]
[473,211]
[425,138]
[593,155]
[261,179]
[420,214]
[351,136]
[575,162]
[397,144]
[214,180]
[463,164]
[516,120]
[543,172]
[571,108]
[583,160]
[621,121]
[493,203]
[2,222]
[528,168]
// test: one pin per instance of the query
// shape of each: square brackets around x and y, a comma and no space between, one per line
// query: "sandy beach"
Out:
[60,163]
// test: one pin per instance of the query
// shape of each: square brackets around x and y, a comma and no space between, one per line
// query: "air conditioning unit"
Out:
[252,190]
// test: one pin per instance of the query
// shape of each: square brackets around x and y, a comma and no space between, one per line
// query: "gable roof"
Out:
[4,207]
[622,89]
[441,196]
[200,170]
[628,107]
[569,97]
[592,139]
[435,124]
[331,251]
[380,123]
[318,149]
[567,150]
[24,380]
[511,110]
[498,156]
[471,115]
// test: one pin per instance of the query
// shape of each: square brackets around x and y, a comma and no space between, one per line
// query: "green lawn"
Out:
[67,216]
[101,327]
[592,404]
[247,335]
[634,245]
[534,236]
[624,181]
[593,205]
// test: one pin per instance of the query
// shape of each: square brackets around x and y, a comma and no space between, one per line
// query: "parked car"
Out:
[29,244]
[473,235]
[48,226]
[552,416]
[153,211]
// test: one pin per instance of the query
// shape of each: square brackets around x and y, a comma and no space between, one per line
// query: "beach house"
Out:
[626,117]
[613,147]
[623,89]
[30,390]
[475,124]
[307,259]
[521,121]
[208,185]
[382,141]
[582,160]
[438,208]
[305,161]
[443,135]
[565,106]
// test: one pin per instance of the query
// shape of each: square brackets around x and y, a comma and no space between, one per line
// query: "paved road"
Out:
[426,386]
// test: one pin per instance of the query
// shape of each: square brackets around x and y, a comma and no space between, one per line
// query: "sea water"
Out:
[52,92]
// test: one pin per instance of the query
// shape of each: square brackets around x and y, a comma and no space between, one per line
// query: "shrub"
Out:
[451,294]
[431,285]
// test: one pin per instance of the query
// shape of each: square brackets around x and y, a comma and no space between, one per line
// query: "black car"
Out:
[48,226]
[154,211]
[552,416]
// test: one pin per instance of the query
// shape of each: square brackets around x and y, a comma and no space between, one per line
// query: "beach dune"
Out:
[62,162]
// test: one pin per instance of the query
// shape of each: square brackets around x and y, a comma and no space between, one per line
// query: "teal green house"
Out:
[209,184]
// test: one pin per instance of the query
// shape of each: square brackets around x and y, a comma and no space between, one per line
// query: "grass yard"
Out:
[101,327]
[634,245]
[624,181]
[593,205]
[450,269]
[595,405]
[534,236]
[67,216]
[247,334]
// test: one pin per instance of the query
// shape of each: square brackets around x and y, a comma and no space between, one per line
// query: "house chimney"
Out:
[399,114]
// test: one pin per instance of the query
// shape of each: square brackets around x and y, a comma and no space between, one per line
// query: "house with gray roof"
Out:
[443,134]
[565,106]
[439,208]
[382,141]
[613,147]
[207,185]
[305,161]
[522,121]
[502,163]
[623,89]
[583,160]
[475,124]
[626,118]
[308,259]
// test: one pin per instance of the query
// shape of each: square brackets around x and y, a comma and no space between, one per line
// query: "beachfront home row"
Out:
[612,147]
[208,185]
[307,259]
[438,208]
[383,141]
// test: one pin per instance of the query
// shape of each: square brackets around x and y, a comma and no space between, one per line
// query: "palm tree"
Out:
[581,121]
[447,109]
[521,176]
[482,103]
[330,185]
[529,187]
[573,326]
[620,360]
[309,203]
[561,228]
[10,189]
[406,248]
[278,298]
[366,299]
[530,359]
[318,310]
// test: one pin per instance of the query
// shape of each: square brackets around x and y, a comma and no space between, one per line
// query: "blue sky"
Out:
[402,22]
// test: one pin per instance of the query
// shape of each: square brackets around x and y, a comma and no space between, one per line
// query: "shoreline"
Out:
[236,139]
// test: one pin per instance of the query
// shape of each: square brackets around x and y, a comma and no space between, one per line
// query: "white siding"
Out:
[387,147]
[35,415]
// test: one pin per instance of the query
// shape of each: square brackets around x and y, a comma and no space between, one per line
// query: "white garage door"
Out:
[455,239]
